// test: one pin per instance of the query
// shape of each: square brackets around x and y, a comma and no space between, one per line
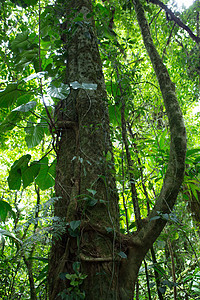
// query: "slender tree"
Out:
[104,262]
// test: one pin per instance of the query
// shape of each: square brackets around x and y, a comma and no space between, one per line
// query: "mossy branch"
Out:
[176,165]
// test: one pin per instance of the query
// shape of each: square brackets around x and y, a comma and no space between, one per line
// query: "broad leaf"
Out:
[192,151]
[10,95]
[61,92]
[34,75]
[86,86]
[30,173]
[25,107]
[15,174]
[10,122]
[5,208]
[45,178]
[21,41]
[122,254]
[34,135]
[16,116]
[74,224]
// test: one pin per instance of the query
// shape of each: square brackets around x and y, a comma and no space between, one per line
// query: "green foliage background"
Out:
[32,81]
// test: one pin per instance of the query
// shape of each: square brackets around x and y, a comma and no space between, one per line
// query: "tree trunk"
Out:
[84,180]
[91,243]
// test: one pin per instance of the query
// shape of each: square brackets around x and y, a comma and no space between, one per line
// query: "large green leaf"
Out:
[115,115]
[45,178]
[60,92]
[34,135]
[10,122]
[21,41]
[10,95]
[15,116]
[25,107]
[5,208]
[30,173]
[15,174]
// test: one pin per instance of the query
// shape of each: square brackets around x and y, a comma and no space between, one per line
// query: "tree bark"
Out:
[84,163]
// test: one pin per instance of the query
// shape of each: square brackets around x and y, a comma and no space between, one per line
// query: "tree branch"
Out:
[176,165]
[176,20]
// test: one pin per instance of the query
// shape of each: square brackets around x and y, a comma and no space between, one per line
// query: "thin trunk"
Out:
[156,274]
[129,160]
[173,267]
[147,279]
[29,266]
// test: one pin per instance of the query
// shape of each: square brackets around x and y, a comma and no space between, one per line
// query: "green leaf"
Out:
[16,116]
[114,115]
[24,3]
[169,283]
[89,86]
[34,135]
[155,218]
[21,41]
[15,174]
[93,192]
[192,151]
[52,168]
[45,178]
[108,156]
[10,122]
[25,107]
[74,224]
[5,208]
[10,235]
[14,179]
[162,289]
[10,95]
[92,202]
[34,75]
[43,273]
[61,92]
[76,266]
[30,173]
[43,259]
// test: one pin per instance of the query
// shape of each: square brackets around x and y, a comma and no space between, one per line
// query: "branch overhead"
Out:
[176,20]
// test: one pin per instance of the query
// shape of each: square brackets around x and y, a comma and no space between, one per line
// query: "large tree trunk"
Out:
[85,177]
[83,162]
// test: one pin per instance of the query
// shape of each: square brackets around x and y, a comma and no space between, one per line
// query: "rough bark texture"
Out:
[84,141]
[81,165]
